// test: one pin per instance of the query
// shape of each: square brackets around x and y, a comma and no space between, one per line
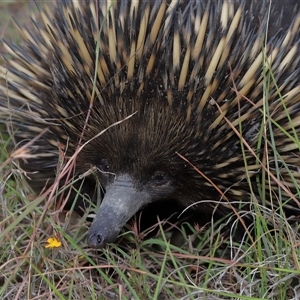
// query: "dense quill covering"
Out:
[212,85]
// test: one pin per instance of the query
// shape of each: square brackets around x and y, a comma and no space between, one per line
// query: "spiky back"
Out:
[197,75]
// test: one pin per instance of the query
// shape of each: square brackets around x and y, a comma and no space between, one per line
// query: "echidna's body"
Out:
[212,85]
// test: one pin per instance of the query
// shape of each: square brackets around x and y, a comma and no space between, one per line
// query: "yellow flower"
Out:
[53,243]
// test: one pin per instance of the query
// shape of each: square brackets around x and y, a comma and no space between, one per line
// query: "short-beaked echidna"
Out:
[183,100]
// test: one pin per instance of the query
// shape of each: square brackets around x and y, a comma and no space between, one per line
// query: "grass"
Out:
[204,264]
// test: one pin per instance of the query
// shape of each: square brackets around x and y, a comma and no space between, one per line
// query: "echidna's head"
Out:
[137,163]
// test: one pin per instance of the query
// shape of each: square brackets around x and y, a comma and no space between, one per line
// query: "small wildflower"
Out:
[53,242]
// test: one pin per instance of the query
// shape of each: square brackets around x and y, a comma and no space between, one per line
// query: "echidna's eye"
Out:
[159,178]
[103,165]
[104,173]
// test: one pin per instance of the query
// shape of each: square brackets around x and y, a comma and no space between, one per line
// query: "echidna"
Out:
[181,100]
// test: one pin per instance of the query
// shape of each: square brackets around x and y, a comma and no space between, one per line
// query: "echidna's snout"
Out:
[121,201]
